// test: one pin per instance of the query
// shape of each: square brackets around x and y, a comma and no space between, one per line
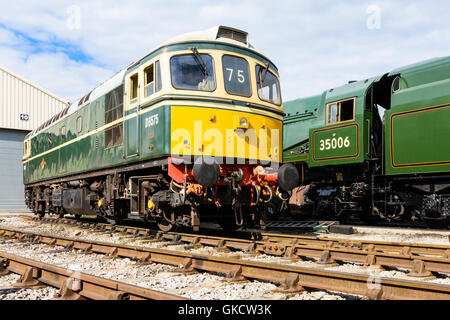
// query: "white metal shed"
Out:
[23,107]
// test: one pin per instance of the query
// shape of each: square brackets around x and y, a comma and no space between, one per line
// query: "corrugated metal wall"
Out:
[11,182]
[20,97]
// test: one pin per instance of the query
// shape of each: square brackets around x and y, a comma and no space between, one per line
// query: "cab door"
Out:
[373,129]
[131,117]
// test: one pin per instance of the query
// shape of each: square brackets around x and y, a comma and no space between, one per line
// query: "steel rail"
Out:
[291,278]
[73,285]
[420,259]
[370,245]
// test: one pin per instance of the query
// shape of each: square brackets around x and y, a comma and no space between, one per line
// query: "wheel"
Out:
[39,210]
[366,215]
[394,212]
[166,226]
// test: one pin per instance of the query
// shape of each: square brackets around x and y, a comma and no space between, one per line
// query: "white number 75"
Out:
[231,74]
[241,77]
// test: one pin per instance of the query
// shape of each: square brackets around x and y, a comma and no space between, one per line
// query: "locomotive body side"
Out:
[330,129]
[417,126]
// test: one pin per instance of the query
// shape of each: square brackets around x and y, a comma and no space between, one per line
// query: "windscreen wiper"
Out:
[261,79]
[265,72]
[199,60]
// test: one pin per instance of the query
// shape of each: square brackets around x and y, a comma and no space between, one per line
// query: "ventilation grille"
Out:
[234,34]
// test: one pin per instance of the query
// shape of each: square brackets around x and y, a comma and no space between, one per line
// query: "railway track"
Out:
[83,286]
[290,278]
[420,259]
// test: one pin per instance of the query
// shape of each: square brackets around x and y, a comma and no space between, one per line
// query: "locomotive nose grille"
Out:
[233,34]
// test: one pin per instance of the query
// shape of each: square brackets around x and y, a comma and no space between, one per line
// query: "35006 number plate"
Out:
[335,143]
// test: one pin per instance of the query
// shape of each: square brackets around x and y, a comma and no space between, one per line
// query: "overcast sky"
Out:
[70,47]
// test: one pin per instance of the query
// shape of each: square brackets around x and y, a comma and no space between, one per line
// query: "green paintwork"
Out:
[305,116]
[425,139]
[301,114]
[141,141]
[89,153]
[335,143]
[416,130]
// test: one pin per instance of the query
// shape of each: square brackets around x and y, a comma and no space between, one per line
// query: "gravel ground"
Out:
[364,233]
[205,286]
[8,280]
[323,295]
[236,291]
[46,293]
[197,286]
[394,235]
[153,276]
[9,293]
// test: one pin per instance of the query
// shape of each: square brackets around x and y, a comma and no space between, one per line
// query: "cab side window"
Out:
[333,113]
[341,111]
[152,77]
[134,88]
[268,85]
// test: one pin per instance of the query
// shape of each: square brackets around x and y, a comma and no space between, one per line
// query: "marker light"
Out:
[243,122]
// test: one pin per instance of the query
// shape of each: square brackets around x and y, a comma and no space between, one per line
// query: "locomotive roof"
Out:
[221,34]
[419,66]
[225,34]
[218,34]
[353,89]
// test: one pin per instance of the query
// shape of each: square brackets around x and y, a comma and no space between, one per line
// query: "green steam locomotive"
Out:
[378,148]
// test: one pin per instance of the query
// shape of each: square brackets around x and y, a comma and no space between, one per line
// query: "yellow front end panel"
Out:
[225,134]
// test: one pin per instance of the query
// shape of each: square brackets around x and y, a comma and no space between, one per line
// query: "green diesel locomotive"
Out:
[348,157]
[192,130]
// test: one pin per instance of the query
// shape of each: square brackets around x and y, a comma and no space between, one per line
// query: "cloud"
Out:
[315,44]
